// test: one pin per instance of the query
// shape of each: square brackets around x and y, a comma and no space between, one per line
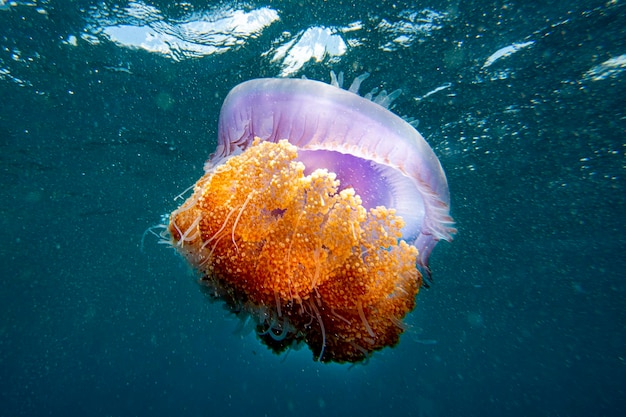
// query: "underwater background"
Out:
[108,111]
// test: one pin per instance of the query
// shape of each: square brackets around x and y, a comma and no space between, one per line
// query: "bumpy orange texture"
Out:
[300,255]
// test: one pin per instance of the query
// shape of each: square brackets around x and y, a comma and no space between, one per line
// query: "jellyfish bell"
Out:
[312,214]
[379,154]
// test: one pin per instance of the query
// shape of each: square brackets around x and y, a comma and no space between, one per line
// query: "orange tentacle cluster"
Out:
[301,256]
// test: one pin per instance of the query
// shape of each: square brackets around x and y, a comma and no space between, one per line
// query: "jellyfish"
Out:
[315,216]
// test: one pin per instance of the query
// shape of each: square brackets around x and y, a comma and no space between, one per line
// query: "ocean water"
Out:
[108,111]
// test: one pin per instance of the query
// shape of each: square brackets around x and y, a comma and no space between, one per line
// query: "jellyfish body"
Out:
[312,214]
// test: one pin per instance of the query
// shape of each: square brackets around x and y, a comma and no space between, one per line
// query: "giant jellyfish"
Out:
[315,216]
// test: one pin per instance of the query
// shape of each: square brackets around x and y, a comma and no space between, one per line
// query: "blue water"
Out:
[109,110]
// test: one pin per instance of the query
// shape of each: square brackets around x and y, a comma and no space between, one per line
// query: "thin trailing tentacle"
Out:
[364,319]
[243,206]
[321,323]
